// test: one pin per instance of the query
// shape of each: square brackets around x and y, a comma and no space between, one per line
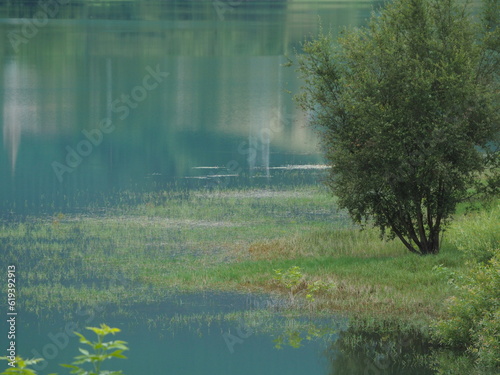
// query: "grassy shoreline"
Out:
[228,241]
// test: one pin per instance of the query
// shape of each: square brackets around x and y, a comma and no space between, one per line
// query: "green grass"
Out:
[232,240]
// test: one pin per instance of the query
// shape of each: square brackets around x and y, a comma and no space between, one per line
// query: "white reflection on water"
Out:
[19,107]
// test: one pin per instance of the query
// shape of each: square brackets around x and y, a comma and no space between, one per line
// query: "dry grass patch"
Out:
[335,243]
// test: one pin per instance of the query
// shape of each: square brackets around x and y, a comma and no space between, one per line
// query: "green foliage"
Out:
[317,287]
[447,362]
[479,236]
[290,278]
[290,338]
[407,109]
[21,366]
[101,351]
[293,278]
[474,313]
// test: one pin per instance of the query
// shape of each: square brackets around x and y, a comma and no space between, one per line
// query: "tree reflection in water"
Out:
[379,349]
[376,351]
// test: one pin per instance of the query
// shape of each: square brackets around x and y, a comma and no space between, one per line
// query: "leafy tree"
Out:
[408,113]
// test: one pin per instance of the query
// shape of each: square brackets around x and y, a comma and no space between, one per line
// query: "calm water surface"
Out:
[133,96]
[163,341]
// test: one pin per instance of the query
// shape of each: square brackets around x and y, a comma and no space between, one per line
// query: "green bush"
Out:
[293,279]
[474,313]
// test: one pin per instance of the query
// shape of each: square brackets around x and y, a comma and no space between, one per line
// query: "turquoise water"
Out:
[191,351]
[103,97]
[210,334]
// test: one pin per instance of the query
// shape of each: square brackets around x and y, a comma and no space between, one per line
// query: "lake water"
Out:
[173,338]
[103,97]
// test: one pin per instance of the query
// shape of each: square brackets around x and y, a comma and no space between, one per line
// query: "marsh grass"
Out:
[229,240]
[167,240]
[326,243]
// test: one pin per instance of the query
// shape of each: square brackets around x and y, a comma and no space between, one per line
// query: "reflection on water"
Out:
[20,112]
[190,334]
[210,333]
[386,351]
[222,104]
[392,350]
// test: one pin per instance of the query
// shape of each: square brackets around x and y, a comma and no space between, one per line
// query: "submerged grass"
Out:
[229,241]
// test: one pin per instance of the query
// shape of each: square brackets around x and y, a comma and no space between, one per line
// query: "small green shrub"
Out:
[101,351]
[293,279]
[290,279]
[316,287]
[474,313]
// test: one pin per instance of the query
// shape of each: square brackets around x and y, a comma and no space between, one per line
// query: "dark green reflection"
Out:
[390,351]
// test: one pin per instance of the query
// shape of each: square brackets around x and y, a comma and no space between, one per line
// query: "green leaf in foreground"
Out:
[101,351]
